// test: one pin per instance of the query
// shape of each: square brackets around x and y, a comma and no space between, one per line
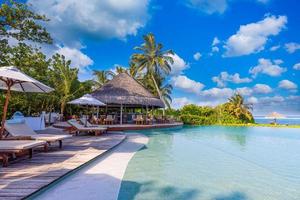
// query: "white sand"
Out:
[102,178]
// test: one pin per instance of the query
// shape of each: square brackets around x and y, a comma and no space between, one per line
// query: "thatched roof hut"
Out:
[125,90]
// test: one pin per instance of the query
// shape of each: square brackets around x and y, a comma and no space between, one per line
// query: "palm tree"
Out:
[153,59]
[120,69]
[237,106]
[64,79]
[166,91]
[102,77]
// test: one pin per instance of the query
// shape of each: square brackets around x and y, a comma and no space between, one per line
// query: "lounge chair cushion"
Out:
[80,127]
[21,129]
[17,145]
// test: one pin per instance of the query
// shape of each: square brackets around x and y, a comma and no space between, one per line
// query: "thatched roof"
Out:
[123,89]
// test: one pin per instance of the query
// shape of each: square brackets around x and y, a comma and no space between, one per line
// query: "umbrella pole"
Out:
[5,110]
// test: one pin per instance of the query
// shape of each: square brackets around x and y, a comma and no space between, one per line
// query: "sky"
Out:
[222,46]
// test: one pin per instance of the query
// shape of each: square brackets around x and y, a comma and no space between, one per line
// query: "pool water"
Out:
[216,163]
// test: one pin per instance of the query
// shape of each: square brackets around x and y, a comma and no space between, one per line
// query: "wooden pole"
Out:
[121,114]
[5,108]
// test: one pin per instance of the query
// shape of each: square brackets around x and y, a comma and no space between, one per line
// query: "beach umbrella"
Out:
[87,100]
[275,116]
[12,79]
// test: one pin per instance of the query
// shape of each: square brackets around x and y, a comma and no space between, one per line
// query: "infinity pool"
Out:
[216,163]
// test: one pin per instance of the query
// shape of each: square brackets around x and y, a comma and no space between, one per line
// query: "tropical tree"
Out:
[102,77]
[153,59]
[165,90]
[237,107]
[120,69]
[18,23]
[64,79]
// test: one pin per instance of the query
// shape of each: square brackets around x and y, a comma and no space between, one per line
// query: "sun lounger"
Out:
[22,129]
[87,123]
[8,147]
[81,128]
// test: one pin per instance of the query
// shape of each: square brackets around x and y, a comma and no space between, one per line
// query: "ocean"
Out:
[290,120]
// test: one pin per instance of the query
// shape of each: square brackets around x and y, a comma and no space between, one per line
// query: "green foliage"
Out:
[19,22]
[157,64]
[232,112]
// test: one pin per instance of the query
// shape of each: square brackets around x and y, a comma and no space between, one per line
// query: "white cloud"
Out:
[186,84]
[78,59]
[72,20]
[197,56]
[251,38]
[180,102]
[275,48]
[266,66]
[262,89]
[292,47]
[224,77]
[208,6]
[296,66]
[288,85]
[244,91]
[278,61]
[263,1]
[215,49]
[274,99]
[215,41]
[223,93]
[252,100]
[178,66]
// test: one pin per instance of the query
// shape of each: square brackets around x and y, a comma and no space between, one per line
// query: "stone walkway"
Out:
[102,178]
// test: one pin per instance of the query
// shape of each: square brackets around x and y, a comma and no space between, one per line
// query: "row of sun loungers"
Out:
[22,138]
[96,129]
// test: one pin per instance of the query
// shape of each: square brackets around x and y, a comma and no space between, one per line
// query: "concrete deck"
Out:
[102,178]
[27,176]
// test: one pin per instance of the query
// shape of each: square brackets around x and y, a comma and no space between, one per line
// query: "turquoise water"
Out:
[216,163]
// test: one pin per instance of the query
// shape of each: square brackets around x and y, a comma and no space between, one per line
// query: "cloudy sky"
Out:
[222,46]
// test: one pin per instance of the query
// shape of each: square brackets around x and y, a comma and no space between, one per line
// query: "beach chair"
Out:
[97,130]
[11,147]
[22,129]
[109,119]
[139,119]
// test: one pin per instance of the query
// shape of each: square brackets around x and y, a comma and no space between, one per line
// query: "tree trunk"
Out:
[62,107]
[158,91]
[5,111]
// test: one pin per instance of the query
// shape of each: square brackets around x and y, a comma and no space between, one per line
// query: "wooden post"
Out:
[121,114]
[9,84]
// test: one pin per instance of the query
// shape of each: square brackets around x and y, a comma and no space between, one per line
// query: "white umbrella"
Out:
[88,100]
[12,79]
[275,116]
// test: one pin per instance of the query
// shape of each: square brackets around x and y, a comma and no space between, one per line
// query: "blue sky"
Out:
[221,46]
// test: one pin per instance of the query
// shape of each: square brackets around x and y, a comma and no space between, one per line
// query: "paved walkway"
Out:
[102,178]
[27,176]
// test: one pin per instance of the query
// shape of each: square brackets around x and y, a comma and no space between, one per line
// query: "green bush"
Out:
[197,120]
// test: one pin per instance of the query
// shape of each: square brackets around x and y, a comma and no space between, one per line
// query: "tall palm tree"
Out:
[102,77]
[153,59]
[164,89]
[237,106]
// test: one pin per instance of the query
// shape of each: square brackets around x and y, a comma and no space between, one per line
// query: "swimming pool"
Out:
[217,163]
